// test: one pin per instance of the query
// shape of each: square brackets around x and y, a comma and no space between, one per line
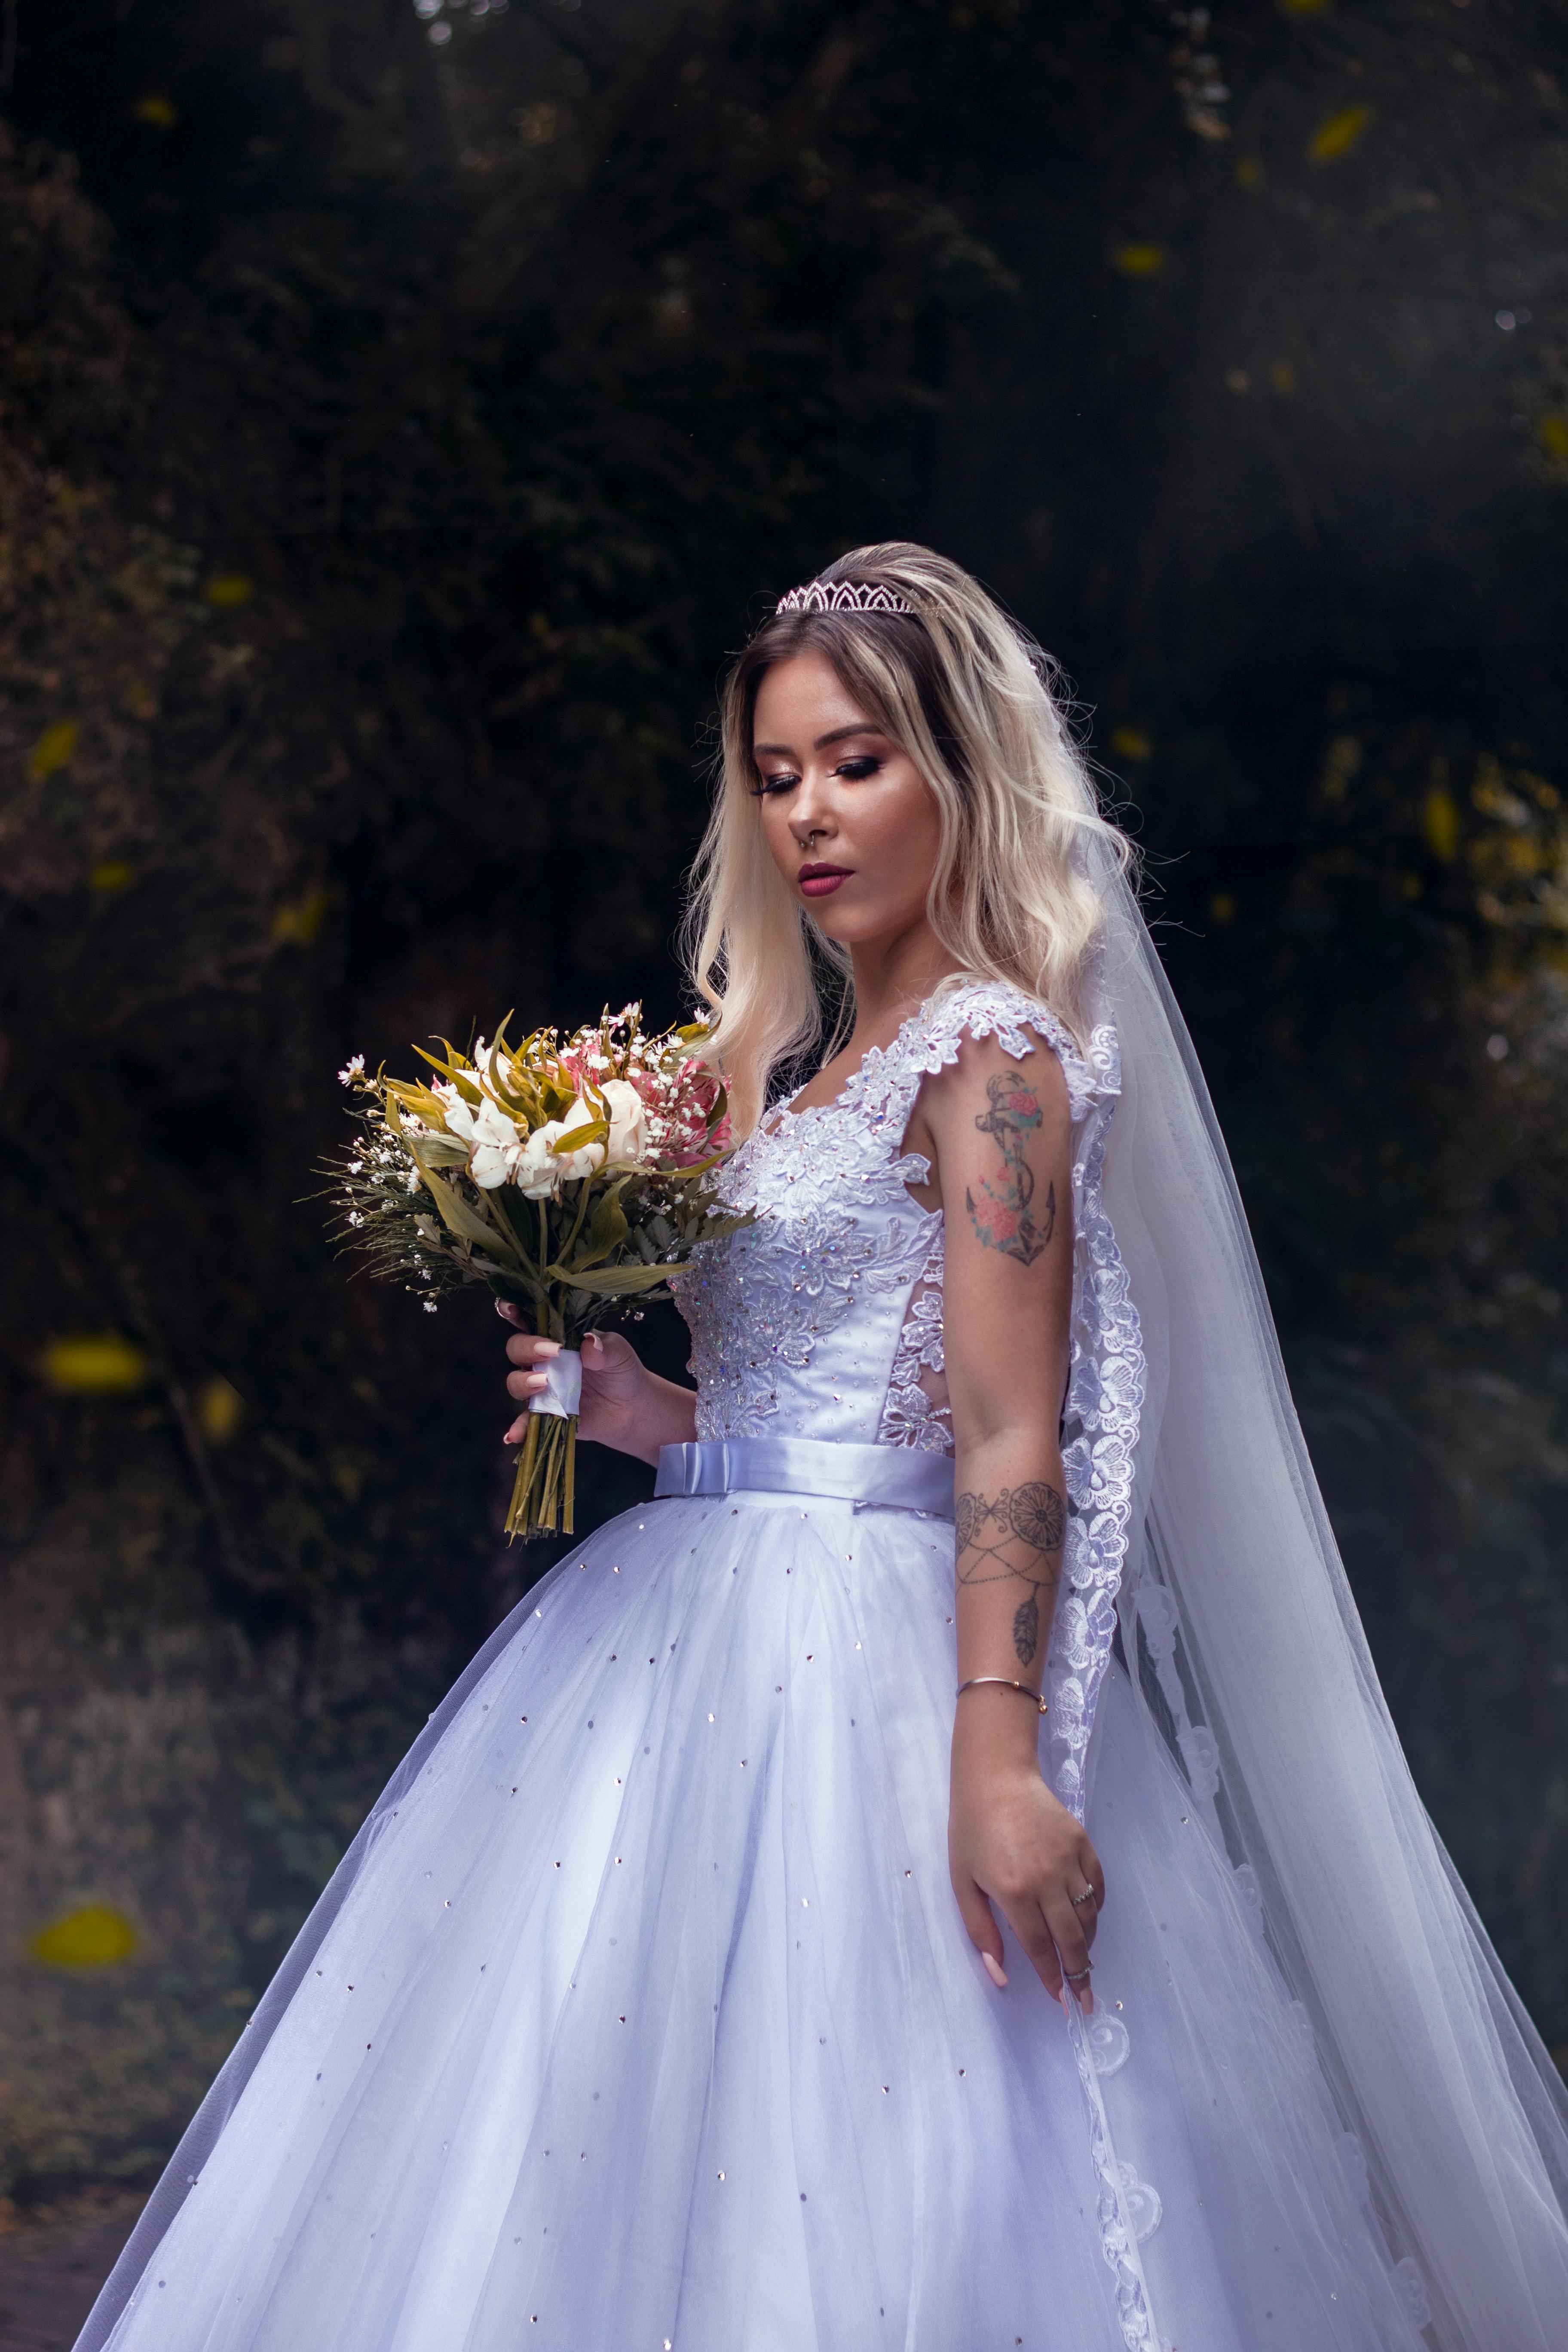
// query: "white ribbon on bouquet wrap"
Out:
[563,1391]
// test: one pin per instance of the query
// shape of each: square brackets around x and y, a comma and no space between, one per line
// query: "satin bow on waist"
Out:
[891,1475]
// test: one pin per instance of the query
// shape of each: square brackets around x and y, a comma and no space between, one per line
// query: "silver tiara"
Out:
[843,596]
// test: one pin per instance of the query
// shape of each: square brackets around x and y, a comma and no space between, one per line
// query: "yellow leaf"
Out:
[220,1408]
[1130,743]
[1139,260]
[160,112]
[95,1364]
[1440,824]
[298,925]
[111,874]
[1553,435]
[1338,133]
[93,1938]
[229,589]
[55,748]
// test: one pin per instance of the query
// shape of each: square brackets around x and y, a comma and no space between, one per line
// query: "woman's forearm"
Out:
[1011,1522]
[664,1414]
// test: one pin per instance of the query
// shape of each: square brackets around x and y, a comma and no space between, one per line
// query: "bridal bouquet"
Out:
[573,1173]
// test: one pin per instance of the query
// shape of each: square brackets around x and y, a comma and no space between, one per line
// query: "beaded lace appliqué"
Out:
[913,1415]
[765,1296]
[836,1215]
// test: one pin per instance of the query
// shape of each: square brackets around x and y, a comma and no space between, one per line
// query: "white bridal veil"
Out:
[1252,1660]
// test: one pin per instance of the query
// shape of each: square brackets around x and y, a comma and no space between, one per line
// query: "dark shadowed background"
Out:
[404,409]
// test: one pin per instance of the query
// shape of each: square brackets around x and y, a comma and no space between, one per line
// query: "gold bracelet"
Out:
[1037,1696]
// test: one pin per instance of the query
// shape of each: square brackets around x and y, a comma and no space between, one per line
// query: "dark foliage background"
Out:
[402,408]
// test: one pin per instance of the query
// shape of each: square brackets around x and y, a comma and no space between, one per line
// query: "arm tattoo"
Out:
[1003,1218]
[1017,1535]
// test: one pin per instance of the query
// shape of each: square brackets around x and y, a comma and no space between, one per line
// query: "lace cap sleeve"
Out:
[993,1009]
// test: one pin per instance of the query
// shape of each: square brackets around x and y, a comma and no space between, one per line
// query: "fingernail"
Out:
[594,1342]
[506,1310]
[548,1347]
[993,1969]
[536,1380]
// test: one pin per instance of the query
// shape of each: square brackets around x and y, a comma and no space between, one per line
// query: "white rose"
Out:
[629,1123]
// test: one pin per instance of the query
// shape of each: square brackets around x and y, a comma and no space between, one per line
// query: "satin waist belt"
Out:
[893,1474]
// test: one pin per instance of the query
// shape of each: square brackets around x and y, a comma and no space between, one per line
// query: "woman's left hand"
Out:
[1011,1842]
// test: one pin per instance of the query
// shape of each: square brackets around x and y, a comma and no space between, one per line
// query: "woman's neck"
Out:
[894,975]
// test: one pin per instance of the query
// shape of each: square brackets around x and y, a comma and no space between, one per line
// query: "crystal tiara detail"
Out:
[843,596]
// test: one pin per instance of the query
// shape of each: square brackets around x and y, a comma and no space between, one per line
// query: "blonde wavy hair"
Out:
[968,696]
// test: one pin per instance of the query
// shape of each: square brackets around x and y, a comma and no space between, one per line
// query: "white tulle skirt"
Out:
[648,2019]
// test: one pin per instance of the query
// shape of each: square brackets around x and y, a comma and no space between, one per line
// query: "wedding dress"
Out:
[641,2015]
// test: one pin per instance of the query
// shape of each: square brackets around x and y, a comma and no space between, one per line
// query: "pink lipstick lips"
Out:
[821,881]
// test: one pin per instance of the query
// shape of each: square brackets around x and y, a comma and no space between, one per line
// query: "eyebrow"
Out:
[838,735]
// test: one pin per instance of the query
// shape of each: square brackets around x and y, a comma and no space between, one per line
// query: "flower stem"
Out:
[544,1491]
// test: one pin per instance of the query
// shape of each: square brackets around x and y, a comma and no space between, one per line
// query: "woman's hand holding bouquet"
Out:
[571,1177]
[624,1405]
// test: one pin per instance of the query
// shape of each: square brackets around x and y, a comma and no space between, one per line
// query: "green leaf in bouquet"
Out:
[413,1100]
[622,1281]
[498,1210]
[459,1069]
[578,1139]
[608,1226]
[460,1219]
[701,1168]
[606,1230]
[443,1150]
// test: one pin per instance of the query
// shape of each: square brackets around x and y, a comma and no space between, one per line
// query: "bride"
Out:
[940,1875]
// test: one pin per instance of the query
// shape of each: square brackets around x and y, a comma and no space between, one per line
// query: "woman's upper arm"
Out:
[1002,1131]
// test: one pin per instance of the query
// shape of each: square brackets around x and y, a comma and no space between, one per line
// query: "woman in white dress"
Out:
[743,1959]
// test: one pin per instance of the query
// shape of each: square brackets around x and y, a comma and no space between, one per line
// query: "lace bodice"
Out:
[822,1319]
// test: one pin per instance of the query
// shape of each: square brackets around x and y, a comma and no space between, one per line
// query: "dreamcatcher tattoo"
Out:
[1015,1536]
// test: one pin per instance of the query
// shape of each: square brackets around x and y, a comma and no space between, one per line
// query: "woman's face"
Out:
[850,822]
